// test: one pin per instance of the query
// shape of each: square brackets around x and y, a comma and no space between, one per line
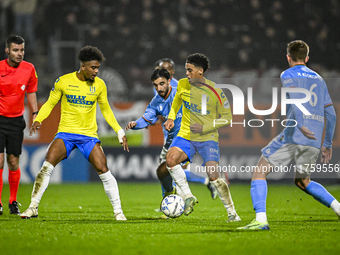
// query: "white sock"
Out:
[180,192]
[224,194]
[111,190]
[206,181]
[178,175]
[335,205]
[40,184]
[261,217]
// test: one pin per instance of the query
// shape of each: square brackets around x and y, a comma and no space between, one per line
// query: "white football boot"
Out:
[120,216]
[233,218]
[31,212]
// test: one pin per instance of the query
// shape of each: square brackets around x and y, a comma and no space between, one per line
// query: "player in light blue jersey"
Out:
[169,65]
[160,105]
[300,141]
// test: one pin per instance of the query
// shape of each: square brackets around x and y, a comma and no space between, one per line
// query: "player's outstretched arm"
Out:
[131,125]
[35,126]
[326,154]
[169,124]
[307,133]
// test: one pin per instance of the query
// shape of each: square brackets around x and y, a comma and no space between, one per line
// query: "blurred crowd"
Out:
[236,35]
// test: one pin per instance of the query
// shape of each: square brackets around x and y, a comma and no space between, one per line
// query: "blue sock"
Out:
[258,192]
[163,190]
[167,184]
[191,177]
[319,193]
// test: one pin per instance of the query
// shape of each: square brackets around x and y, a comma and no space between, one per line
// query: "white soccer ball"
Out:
[172,206]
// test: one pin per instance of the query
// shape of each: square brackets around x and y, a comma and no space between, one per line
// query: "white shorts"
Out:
[280,154]
[162,157]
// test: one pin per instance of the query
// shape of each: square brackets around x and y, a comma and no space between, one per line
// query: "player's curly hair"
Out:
[199,60]
[89,53]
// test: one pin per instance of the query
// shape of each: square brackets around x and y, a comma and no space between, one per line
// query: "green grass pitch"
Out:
[78,219]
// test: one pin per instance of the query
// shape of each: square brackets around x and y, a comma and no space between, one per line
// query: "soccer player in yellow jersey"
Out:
[203,106]
[79,93]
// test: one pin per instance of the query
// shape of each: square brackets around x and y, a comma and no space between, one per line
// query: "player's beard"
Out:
[165,92]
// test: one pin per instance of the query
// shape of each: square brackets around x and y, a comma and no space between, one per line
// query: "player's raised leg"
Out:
[174,157]
[56,152]
[163,175]
[165,179]
[98,160]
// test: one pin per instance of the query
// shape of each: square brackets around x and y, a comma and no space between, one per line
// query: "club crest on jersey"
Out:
[23,87]
[92,89]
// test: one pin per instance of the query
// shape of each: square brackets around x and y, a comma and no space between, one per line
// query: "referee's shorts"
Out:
[12,134]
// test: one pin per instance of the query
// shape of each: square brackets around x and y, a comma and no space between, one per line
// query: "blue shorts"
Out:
[84,143]
[208,150]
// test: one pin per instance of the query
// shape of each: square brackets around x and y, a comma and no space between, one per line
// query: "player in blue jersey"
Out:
[160,106]
[301,142]
[168,64]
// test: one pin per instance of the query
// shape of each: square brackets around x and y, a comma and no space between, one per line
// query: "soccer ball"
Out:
[172,206]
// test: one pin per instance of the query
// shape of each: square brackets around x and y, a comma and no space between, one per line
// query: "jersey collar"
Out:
[168,92]
[300,64]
